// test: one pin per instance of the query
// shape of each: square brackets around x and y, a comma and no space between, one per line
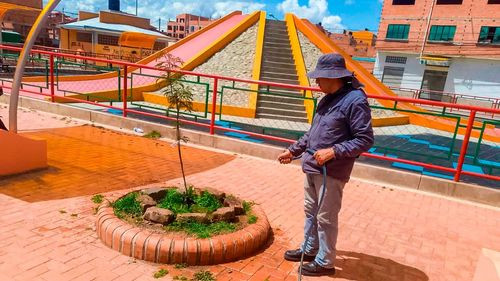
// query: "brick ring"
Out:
[161,248]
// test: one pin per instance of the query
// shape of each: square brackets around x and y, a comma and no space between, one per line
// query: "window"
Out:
[493,1]
[107,40]
[169,27]
[192,28]
[403,2]
[84,37]
[449,2]
[442,33]
[433,84]
[394,59]
[398,31]
[181,28]
[393,76]
[489,35]
[181,36]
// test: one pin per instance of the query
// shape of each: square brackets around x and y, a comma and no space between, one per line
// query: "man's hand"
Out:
[285,157]
[324,155]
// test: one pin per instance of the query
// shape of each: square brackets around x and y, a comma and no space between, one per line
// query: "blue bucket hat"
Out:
[332,66]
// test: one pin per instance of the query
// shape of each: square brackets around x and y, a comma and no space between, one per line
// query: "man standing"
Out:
[341,130]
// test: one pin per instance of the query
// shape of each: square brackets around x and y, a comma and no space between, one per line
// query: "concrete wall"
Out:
[413,70]
[474,77]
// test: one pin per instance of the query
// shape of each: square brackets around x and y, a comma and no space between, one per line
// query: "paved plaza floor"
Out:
[47,220]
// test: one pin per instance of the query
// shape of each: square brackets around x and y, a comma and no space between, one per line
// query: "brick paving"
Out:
[47,221]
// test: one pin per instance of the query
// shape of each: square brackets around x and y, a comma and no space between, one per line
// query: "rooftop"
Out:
[95,24]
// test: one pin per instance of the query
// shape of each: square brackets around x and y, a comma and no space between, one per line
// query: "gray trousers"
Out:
[323,229]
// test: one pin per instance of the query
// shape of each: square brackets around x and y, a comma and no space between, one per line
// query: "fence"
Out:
[450,98]
[437,143]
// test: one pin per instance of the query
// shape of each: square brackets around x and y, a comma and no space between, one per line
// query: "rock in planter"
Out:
[146,202]
[236,204]
[157,193]
[159,215]
[223,214]
[196,217]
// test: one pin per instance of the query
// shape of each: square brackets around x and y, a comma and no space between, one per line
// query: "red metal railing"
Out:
[458,171]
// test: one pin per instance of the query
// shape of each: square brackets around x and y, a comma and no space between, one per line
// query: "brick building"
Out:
[21,20]
[440,45]
[186,24]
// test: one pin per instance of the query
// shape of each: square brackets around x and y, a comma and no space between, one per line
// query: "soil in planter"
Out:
[129,209]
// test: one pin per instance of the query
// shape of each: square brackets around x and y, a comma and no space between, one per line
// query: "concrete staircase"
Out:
[278,66]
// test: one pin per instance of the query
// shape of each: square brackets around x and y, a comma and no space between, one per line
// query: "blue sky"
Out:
[335,15]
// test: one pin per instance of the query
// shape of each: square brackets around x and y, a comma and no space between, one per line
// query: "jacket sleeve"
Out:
[360,124]
[299,146]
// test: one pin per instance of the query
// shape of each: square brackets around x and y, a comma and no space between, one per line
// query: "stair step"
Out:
[276,40]
[279,75]
[282,117]
[275,22]
[279,36]
[283,91]
[275,49]
[279,80]
[278,62]
[281,105]
[279,111]
[285,45]
[279,69]
[280,99]
[278,52]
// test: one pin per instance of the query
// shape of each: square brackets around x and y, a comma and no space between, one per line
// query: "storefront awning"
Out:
[137,40]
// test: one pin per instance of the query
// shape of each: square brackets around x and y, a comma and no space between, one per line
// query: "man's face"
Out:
[328,85]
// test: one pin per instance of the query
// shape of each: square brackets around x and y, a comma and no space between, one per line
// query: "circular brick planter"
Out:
[160,248]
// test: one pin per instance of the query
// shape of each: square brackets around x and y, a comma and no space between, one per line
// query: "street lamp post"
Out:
[23,58]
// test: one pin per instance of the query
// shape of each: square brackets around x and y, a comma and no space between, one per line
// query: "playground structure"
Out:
[278,108]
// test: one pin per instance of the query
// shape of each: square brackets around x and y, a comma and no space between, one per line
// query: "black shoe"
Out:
[294,255]
[314,269]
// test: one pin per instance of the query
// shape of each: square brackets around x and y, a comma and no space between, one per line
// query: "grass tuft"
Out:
[153,135]
[98,198]
[203,275]
[160,273]
[128,205]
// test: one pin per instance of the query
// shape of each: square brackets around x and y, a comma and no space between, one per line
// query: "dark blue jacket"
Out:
[342,122]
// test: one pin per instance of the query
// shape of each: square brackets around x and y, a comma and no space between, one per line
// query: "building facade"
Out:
[98,34]
[435,46]
[186,24]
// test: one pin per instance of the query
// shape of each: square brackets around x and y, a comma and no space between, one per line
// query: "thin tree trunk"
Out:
[179,150]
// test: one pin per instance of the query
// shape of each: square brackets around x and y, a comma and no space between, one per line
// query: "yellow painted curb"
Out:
[390,121]
[299,64]
[252,102]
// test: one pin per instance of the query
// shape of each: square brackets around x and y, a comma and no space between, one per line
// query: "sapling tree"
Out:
[179,97]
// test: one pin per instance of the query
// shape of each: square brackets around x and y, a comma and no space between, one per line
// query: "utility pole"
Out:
[427,29]
[159,23]
[136,7]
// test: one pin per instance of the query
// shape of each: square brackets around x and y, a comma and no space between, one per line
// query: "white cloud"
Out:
[351,2]
[315,11]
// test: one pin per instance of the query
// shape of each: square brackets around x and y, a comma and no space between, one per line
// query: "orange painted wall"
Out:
[21,154]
